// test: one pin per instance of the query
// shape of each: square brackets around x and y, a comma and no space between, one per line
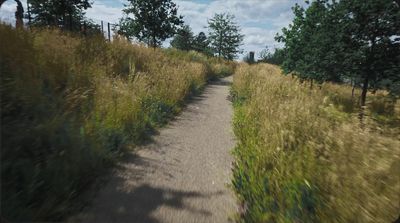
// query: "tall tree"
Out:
[183,40]
[372,41]
[309,41]
[225,36]
[202,44]
[276,57]
[65,13]
[151,21]
[355,40]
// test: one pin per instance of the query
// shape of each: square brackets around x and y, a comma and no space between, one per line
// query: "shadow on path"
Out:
[137,205]
[178,177]
[221,82]
[125,201]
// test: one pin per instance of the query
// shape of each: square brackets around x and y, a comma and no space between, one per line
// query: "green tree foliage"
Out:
[371,34]
[202,44]
[276,57]
[65,13]
[349,40]
[152,21]
[309,41]
[225,36]
[183,40]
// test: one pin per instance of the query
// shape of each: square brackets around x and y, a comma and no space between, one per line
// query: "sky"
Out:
[259,20]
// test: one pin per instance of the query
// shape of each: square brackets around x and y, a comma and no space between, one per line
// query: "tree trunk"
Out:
[64,18]
[220,45]
[353,84]
[19,15]
[70,21]
[154,42]
[364,92]
[362,101]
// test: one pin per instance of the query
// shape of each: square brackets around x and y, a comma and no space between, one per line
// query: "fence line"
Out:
[106,28]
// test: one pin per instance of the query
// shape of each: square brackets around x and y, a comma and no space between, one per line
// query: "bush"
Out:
[301,156]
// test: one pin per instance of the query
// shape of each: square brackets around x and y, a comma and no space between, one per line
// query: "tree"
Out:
[152,21]
[276,58]
[371,36]
[353,40]
[225,36]
[309,43]
[65,13]
[183,40]
[202,44]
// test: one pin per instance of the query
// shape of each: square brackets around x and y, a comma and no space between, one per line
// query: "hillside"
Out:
[72,105]
[303,156]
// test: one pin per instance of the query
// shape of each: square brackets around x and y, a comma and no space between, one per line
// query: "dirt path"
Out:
[180,177]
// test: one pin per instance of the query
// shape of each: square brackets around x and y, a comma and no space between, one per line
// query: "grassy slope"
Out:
[301,155]
[71,105]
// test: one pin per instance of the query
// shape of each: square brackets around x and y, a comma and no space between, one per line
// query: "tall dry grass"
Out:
[302,155]
[71,105]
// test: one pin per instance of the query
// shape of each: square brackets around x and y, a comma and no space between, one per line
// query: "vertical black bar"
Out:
[102,28]
[84,28]
[71,27]
[109,32]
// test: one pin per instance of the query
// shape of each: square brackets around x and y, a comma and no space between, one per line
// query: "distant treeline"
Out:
[149,22]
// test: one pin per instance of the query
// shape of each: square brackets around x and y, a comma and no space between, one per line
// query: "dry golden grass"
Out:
[303,157]
[70,105]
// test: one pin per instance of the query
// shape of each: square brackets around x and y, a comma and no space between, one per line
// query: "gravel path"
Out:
[181,176]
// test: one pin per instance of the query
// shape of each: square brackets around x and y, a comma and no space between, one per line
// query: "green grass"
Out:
[71,106]
[302,155]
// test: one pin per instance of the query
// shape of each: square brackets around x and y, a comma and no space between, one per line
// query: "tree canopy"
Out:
[150,21]
[202,44]
[349,40]
[267,56]
[183,40]
[64,13]
[225,36]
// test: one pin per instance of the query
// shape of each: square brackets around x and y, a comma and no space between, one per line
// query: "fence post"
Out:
[109,32]
[102,28]
[84,28]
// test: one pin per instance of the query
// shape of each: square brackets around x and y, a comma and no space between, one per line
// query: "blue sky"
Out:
[260,20]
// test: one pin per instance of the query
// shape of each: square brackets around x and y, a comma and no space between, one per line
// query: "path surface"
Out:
[180,177]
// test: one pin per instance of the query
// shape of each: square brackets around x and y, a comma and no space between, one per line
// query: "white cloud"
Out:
[260,19]
[101,11]
[7,11]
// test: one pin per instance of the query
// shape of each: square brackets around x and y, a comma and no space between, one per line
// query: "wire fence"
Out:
[108,29]
[86,26]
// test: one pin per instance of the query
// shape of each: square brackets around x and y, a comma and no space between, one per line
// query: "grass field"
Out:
[302,154]
[70,106]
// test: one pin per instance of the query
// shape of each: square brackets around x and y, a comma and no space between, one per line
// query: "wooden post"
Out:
[109,32]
